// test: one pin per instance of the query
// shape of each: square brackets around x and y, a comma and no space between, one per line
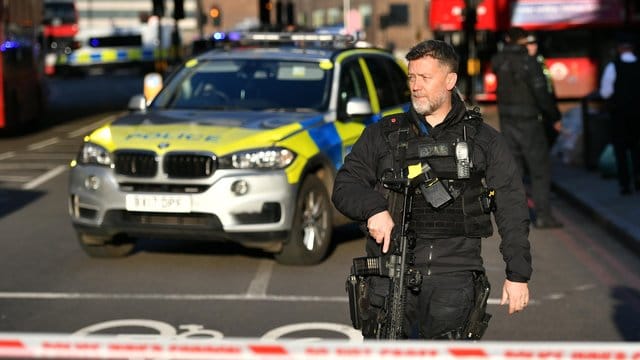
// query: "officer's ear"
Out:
[451,80]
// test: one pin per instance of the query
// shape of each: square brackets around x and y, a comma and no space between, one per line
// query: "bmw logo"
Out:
[163,145]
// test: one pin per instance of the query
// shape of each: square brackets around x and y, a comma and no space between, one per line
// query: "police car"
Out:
[241,144]
[104,49]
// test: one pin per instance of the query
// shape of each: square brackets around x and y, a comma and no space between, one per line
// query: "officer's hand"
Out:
[379,227]
[516,294]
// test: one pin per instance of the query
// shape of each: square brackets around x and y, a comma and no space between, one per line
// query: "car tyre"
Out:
[310,235]
[98,246]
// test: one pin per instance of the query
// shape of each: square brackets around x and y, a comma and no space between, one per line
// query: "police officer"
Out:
[448,238]
[524,104]
[552,126]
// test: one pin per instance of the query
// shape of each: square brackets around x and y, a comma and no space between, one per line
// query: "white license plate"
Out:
[158,203]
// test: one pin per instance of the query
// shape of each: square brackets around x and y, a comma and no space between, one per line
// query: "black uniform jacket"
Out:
[522,86]
[354,192]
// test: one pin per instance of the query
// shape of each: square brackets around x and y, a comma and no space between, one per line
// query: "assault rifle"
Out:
[395,266]
[394,309]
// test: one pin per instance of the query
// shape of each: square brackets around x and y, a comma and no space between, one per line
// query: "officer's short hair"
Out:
[516,35]
[437,49]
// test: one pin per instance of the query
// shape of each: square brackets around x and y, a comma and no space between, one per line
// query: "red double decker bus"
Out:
[22,87]
[60,27]
[575,36]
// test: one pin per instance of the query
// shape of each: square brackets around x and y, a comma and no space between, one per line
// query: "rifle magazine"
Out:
[368,266]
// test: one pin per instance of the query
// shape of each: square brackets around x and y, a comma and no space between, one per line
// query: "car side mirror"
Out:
[137,103]
[358,107]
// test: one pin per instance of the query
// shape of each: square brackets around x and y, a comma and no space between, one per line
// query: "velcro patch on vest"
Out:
[424,150]
[435,150]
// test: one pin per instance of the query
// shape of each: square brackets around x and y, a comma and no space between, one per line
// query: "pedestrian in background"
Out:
[619,83]
[552,127]
[448,238]
[524,103]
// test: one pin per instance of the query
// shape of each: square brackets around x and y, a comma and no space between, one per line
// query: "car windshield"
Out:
[248,84]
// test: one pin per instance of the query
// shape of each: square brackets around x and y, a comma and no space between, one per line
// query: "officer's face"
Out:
[532,48]
[430,83]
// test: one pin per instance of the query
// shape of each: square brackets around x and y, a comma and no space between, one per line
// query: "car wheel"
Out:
[105,246]
[310,236]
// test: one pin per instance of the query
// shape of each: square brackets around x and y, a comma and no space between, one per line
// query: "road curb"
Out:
[616,226]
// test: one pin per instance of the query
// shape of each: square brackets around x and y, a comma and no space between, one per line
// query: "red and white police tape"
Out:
[55,346]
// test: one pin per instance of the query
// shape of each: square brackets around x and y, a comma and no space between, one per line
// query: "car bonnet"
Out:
[221,133]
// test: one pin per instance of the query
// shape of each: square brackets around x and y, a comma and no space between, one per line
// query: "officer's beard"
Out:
[426,105]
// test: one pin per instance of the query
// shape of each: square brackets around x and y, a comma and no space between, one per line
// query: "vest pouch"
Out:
[488,200]
[371,305]
[477,204]
[356,289]
[435,193]
[477,199]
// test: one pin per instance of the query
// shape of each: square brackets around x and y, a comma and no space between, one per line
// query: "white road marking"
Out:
[259,284]
[184,297]
[44,177]
[585,287]
[44,143]
[7,155]
[190,297]
[25,166]
[31,156]
[14,178]
[159,330]
[87,129]
[556,296]
[496,301]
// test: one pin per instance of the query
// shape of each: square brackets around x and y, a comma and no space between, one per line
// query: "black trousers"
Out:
[625,138]
[442,305]
[527,140]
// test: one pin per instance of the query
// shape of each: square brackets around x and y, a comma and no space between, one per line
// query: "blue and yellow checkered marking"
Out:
[107,56]
[326,137]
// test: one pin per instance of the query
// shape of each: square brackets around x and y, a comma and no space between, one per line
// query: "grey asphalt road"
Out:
[585,287]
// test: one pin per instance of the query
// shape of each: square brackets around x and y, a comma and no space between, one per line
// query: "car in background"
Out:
[104,49]
[241,144]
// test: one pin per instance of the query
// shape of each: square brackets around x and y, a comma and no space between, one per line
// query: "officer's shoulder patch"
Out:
[393,117]
[393,120]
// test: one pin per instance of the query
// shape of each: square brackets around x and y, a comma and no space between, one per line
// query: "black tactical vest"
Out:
[465,215]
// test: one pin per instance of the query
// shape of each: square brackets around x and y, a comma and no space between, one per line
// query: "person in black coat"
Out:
[618,86]
[524,104]
[448,244]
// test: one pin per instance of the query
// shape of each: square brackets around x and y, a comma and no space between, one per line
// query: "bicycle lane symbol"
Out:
[148,330]
[153,329]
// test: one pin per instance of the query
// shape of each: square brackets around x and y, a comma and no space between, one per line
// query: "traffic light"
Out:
[265,12]
[158,8]
[290,14]
[216,15]
[279,14]
[178,9]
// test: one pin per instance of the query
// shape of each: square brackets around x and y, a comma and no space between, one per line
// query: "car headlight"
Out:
[269,158]
[94,154]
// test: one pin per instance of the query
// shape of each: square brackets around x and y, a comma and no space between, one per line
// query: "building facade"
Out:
[393,24]
[106,14]
[385,23]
